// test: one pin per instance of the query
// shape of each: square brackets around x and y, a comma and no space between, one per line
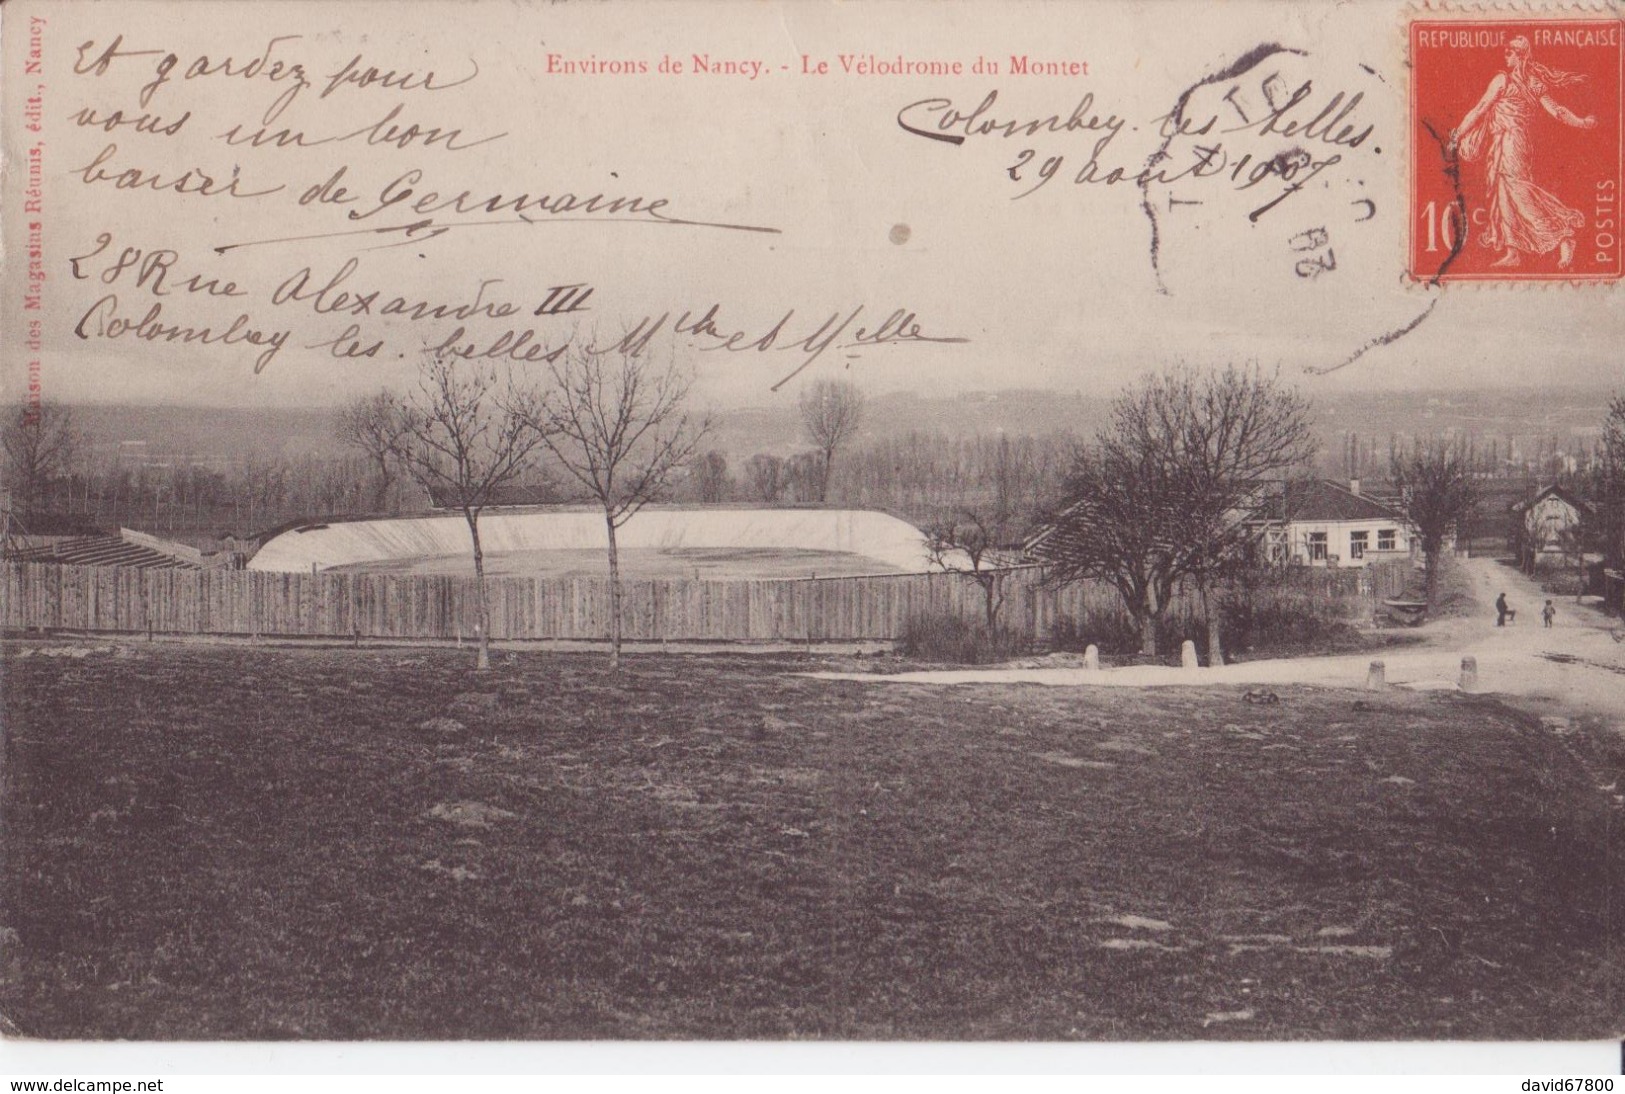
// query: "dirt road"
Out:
[1578,663]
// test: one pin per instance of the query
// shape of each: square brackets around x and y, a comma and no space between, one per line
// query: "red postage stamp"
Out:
[1515,150]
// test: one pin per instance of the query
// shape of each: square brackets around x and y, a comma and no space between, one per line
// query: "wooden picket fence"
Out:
[119,600]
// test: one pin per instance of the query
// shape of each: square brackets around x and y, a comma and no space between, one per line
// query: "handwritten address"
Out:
[152,116]
[344,153]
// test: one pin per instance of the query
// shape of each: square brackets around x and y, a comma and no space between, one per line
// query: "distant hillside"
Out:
[211,431]
[233,432]
[1532,412]
[742,433]
[1526,416]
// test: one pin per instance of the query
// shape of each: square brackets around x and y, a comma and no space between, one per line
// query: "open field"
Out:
[643,564]
[212,842]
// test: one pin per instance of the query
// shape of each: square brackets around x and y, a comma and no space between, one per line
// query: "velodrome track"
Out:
[892,543]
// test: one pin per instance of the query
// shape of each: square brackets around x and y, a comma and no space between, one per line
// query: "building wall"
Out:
[1337,535]
[1547,521]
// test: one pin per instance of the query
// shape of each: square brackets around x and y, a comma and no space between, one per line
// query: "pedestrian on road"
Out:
[1548,613]
[1501,610]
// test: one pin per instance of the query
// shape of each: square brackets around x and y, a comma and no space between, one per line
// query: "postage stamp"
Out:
[1515,150]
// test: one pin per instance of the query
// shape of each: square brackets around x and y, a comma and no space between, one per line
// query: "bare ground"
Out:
[227,842]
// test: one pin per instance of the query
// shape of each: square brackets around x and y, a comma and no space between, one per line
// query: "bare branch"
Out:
[467,431]
[1168,488]
[831,411]
[616,423]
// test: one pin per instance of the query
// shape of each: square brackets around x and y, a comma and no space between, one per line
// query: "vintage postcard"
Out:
[769,521]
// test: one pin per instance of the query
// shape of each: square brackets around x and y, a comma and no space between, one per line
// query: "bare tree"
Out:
[804,478]
[1119,526]
[1171,489]
[373,424]
[617,423]
[1230,431]
[831,411]
[1438,494]
[981,539]
[712,483]
[1572,541]
[967,542]
[1610,486]
[466,431]
[40,445]
[766,476]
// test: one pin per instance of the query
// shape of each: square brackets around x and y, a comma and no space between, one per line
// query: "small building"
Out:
[1311,522]
[1550,519]
[1321,523]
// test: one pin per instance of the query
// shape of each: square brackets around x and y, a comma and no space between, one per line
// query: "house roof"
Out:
[1321,500]
[1561,493]
[1310,500]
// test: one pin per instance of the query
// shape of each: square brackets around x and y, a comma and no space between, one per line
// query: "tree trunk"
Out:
[614,597]
[1148,635]
[1432,575]
[1215,627]
[483,661]
[990,590]
[382,503]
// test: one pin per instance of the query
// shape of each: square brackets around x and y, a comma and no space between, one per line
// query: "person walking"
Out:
[1501,610]
[1548,613]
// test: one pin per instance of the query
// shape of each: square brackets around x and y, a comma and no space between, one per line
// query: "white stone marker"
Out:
[1469,674]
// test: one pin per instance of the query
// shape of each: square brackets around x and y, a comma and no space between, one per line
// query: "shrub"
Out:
[1299,624]
[1566,585]
[952,640]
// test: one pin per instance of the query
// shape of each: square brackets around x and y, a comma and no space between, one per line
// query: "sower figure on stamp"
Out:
[1523,218]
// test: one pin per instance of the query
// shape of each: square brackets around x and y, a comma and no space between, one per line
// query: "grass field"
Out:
[697,563]
[230,842]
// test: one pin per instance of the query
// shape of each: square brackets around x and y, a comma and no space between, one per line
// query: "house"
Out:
[1311,522]
[1320,523]
[1550,519]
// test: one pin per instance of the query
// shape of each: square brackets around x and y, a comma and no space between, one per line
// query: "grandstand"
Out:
[100,550]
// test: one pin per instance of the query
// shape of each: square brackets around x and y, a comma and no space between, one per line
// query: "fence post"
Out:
[660,620]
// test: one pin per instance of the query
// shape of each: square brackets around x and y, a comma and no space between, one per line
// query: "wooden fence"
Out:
[111,599]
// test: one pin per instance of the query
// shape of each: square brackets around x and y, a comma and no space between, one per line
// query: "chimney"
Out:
[1354,487]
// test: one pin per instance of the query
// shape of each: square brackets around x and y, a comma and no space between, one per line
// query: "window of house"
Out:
[1357,544]
[1385,539]
[1317,546]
